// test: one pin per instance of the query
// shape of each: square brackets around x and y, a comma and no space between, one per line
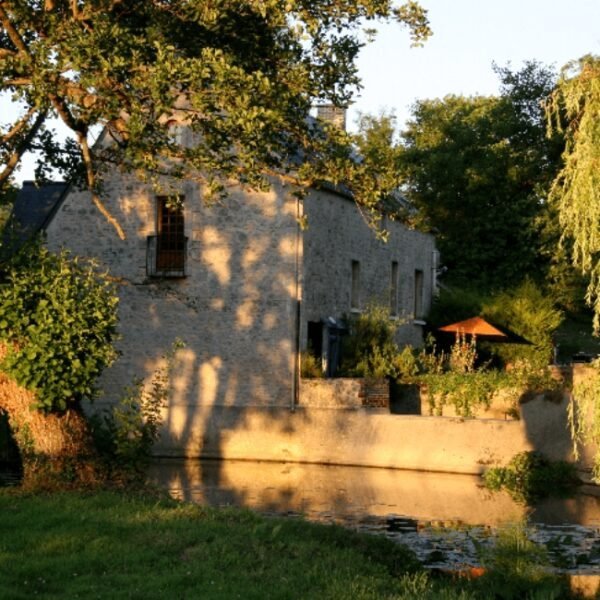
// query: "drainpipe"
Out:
[297,312]
[435,269]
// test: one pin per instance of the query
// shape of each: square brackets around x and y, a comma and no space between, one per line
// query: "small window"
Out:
[394,289]
[355,289]
[167,250]
[418,294]
[170,234]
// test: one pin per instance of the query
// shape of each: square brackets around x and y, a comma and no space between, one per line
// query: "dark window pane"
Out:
[170,242]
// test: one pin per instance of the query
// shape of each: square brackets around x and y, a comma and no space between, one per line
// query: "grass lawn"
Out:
[110,545]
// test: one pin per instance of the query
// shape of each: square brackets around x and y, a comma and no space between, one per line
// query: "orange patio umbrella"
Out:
[484,331]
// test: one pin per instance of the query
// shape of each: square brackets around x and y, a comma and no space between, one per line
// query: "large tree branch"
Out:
[21,148]
[18,126]
[18,82]
[91,181]
[11,30]
[65,114]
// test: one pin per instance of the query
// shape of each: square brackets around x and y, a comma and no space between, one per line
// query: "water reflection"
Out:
[443,517]
[339,491]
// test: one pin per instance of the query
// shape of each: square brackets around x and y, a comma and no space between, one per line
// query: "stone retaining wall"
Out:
[369,436]
[344,392]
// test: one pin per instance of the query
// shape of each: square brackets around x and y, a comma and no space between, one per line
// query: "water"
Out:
[444,518]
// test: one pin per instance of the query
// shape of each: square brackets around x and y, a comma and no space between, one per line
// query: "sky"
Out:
[468,36]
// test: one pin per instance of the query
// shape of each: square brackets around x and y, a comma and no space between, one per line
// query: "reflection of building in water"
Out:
[340,492]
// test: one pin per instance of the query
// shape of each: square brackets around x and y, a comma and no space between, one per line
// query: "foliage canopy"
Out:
[478,169]
[242,75]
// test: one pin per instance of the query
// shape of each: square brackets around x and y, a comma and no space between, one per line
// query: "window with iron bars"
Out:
[167,250]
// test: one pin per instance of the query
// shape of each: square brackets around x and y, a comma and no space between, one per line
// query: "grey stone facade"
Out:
[338,236]
[254,280]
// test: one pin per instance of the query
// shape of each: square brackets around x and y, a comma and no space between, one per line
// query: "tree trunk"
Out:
[55,449]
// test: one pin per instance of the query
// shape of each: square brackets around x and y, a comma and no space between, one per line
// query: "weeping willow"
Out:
[574,110]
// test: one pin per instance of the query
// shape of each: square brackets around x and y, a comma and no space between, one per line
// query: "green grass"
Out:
[110,545]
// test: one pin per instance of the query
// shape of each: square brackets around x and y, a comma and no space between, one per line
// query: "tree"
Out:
[57,328]
[478,170]
[242,75]
[574,109]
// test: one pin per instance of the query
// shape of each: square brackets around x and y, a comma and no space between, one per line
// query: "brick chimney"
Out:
[332,114]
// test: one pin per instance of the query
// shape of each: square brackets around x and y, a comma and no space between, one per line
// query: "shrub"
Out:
[530,476]
[125,433]
[370,349]
[310,366]
[453,378]
[58,323]
[407,364]
[531,314]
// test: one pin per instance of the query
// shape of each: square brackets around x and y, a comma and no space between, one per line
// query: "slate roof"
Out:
[33,206]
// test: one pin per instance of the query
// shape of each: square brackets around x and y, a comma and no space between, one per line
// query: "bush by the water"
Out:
[530,476]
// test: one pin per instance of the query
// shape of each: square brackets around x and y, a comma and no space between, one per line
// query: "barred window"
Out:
[170,238]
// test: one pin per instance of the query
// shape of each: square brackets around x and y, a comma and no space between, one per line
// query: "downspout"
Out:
[297,302]
[435,265]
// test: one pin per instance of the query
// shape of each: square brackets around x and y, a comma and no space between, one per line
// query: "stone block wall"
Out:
[235,311]
[337,234]
[339,392]
[344,392]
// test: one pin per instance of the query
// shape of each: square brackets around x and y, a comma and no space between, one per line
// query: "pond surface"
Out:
[444,518]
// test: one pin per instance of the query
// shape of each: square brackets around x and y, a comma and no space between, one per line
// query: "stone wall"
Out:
[369,437]
[372,437]
[235,311]
[339,392]
[337,234]
[344,392]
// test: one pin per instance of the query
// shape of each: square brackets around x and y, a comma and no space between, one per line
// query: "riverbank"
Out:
[132,545]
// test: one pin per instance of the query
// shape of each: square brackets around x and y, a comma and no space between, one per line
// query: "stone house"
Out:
[243,286]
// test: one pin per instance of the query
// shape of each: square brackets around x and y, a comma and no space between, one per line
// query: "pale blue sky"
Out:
[468,36]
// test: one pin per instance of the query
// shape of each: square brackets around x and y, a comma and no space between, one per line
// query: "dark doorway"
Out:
[315,338]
